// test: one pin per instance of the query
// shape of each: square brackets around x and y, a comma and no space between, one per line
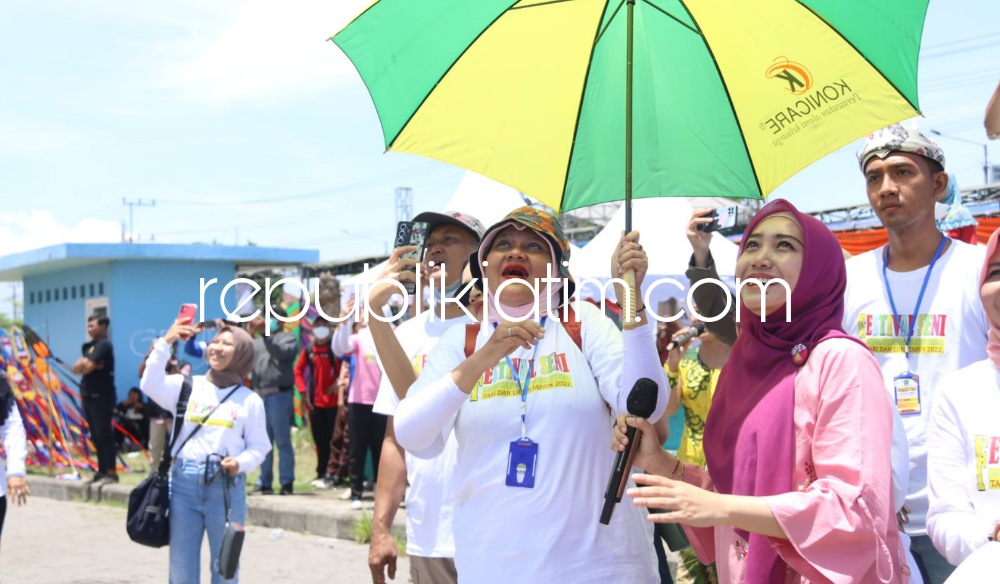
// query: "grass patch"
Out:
[363,528]
[363,533]
[305,463]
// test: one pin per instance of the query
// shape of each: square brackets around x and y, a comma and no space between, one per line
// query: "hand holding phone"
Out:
[187,315]
[722,218]
[411,233]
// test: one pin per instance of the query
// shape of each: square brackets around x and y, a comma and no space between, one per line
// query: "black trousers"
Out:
[99,410]
[322,422]
[367,433]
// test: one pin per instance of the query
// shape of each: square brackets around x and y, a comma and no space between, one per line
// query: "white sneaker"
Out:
[346,495]
[356,505]
[319,484]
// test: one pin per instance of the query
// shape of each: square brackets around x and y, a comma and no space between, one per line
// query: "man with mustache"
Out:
[452,237]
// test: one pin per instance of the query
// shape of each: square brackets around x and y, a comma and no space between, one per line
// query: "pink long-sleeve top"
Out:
[840,520]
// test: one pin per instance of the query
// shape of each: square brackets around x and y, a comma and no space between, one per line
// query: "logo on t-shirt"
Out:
[418,363]
[223,417]
[551,372]
[886,333]
[987,462]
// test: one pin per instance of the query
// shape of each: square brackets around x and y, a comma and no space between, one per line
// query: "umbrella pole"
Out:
[630,320]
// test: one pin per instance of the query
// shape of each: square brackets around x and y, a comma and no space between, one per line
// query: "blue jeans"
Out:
[934,568]
[195,509]
[278,411]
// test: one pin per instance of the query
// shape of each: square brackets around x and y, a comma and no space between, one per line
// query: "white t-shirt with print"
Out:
[950,333]
[963,463]
[236,428]
[551,532]
[429,500]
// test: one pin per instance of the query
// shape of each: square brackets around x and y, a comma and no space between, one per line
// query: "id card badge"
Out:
[907,387]
[521,463]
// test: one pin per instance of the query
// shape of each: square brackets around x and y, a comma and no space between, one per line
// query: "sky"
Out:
[245,124]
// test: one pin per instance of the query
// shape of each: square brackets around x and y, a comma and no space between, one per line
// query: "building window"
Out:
[73,290]
[100,288]
[48,295]
[91,289]
[83,292]
[65,293]
[31,298]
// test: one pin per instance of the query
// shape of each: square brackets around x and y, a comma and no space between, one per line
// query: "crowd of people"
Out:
[839,427]
[843,444]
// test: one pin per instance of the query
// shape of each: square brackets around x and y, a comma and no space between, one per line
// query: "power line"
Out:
[131,204]
[408,174]
[949,53]
[960,41]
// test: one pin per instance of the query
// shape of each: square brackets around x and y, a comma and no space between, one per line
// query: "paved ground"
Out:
[63,542]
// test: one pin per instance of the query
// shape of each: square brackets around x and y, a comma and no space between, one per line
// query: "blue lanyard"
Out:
[523,385]
[920,297]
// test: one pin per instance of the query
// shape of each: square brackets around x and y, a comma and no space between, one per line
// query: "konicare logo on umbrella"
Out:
[812,105]
[799,78]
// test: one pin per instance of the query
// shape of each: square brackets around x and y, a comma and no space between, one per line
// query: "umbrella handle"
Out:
[629,319]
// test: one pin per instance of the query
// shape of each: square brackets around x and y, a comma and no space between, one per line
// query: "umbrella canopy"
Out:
[728,98]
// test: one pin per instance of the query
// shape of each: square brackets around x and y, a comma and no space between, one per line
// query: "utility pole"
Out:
[131,205]
[986,153]
[13,300]
[404,204]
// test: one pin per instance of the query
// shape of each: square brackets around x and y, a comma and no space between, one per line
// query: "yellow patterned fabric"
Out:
[697,386]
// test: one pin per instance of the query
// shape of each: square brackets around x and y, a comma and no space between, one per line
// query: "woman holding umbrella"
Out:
[797,441]
[530,403]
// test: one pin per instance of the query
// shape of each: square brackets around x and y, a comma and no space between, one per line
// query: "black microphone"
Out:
[641,402]
[696,330]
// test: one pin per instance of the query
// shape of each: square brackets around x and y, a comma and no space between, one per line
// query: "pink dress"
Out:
[840,521]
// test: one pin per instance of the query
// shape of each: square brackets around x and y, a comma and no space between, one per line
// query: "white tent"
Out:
[662,224]
[484,198]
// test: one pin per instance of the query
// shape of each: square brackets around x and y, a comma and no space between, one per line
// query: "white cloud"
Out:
[267,49]
[28,230]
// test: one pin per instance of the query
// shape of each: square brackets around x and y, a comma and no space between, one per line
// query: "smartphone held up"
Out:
[411,233]
[722,218]
[187,314]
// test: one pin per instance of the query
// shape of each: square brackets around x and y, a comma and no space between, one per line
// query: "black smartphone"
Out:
[207,325]
[722,218]
[411,233]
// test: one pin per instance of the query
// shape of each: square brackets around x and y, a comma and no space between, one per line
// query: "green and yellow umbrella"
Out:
[578,102]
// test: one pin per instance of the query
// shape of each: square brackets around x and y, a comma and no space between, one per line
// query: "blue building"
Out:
[140,287]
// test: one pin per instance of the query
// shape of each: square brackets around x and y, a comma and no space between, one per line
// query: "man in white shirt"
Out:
[914,302]
[430,545]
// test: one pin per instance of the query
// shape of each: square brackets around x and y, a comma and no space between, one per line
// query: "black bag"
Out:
[148,521]
[148,505]
[149,502]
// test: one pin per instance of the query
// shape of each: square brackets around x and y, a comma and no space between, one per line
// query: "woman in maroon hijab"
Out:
[797,442]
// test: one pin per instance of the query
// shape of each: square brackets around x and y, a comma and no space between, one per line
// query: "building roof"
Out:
[15,267]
